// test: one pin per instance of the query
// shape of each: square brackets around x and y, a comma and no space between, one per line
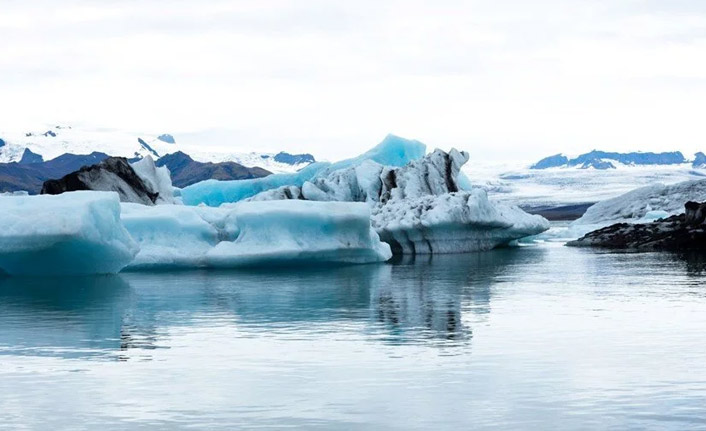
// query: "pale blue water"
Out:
[532,338]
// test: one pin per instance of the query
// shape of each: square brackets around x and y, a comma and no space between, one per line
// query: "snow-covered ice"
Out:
[75,233]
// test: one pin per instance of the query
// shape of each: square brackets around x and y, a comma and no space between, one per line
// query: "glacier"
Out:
[392,151]
[77,233]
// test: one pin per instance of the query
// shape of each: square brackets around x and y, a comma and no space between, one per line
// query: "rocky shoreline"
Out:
[686,231]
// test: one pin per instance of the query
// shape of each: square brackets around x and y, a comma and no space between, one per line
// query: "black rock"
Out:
[112,174]
[676,233]
[30,177]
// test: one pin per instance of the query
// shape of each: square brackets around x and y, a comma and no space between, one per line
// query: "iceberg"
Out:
[452,223]
[253,233]
[175,236]
[76,233]
[289,232]
[421,208]
[392,151]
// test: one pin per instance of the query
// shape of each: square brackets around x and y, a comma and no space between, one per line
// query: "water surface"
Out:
[542,337]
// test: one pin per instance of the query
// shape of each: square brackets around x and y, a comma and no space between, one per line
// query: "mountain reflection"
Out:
[428,299]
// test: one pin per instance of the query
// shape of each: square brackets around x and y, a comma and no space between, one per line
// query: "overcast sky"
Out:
[500,78]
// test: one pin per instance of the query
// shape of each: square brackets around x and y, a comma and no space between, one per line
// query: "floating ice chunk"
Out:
[75,233]
[452,223]
[392,151]
[420,207]
[289,232]
[253,233]
[175,236]
[214,192]
[156,179]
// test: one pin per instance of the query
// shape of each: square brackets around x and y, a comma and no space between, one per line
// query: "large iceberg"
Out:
[421,207]
[75,233]
[392,151]
[253,233]
[292,231]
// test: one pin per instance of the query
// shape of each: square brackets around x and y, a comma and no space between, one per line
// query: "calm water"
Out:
[531,338]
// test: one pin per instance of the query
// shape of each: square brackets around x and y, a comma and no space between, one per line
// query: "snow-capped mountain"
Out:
[52,141]
[608,160]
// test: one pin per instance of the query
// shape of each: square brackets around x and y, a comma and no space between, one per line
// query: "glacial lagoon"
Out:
[541,337]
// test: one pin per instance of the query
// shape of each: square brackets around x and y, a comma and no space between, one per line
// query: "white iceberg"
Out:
[253,233]
[452,223]
[76,233]
[421,207]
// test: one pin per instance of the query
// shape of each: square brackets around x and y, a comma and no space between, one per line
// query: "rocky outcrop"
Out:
[676,233]
[112,174]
